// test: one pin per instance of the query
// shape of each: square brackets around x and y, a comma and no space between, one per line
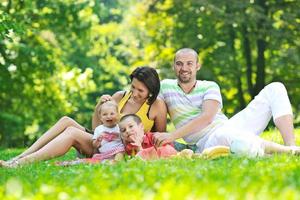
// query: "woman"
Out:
[66,133]
[141,100]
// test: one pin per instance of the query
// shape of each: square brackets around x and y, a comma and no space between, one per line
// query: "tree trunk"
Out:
[237,72]
[240,94]
[9,5]
[248,58]
[260,62]
[261,47]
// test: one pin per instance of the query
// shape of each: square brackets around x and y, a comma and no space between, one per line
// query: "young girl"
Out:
[106,139]
[107,143]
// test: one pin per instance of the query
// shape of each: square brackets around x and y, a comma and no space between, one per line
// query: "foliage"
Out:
[243,45]
[58,57]
[57,66]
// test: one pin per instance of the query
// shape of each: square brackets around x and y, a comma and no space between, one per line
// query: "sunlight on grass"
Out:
[275,177]
[224,178]
[274,135]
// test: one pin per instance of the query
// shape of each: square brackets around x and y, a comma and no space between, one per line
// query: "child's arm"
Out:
[97,137]
[97,142]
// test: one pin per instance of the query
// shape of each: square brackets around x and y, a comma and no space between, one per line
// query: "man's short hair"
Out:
[187,50]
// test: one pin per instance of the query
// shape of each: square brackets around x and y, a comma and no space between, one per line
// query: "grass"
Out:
[275,177]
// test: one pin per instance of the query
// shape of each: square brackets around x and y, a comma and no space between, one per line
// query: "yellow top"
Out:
[142,112]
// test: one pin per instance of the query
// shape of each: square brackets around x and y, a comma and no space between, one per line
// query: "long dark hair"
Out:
[149,77]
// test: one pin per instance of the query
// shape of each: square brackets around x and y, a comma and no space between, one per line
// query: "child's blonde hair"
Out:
[110,103]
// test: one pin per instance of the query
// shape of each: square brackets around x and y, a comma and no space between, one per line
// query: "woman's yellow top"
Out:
[142,112]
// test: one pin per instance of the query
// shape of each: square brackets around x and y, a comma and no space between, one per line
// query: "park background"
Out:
[58,57]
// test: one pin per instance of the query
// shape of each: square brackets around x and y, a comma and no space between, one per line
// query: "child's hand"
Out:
[131,149]
[97,142]
[137,145]
[100,138]
[135,139]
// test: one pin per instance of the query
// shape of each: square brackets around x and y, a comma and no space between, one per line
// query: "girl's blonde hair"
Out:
[110,103]
[96,118]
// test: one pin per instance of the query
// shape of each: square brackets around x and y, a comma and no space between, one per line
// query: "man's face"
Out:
[186,67]
[131,132]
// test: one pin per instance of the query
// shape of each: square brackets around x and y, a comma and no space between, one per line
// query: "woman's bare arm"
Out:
[159,111]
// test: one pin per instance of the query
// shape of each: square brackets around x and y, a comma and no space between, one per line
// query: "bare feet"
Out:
[295,150]
[8,164]
[69,162]
[185,153]
[14,159]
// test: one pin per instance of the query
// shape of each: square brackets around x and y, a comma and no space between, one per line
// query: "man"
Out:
[195,109]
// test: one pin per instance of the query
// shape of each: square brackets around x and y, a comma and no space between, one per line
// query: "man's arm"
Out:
[210,109]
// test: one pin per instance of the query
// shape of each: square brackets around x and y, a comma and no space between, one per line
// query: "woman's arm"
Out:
[159,112]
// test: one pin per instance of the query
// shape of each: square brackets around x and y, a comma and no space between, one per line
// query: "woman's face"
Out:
[139,91]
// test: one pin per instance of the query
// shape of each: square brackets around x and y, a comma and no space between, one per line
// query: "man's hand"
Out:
[162,138]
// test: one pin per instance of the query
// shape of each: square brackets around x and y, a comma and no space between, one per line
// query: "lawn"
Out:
[275,177]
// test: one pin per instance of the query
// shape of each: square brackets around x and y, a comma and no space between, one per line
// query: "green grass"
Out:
[275,177]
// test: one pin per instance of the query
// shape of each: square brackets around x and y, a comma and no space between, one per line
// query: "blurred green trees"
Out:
[58,57]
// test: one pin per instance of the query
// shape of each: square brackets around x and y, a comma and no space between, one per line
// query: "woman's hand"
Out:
[105,97]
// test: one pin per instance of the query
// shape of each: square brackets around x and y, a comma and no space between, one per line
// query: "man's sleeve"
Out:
[161,91]
[213,93]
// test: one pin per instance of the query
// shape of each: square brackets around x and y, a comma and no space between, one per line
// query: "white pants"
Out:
[272,101]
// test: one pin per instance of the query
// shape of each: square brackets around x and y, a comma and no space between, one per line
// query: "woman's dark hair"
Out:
[149,77]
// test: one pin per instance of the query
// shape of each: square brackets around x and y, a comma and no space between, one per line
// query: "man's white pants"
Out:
[272,101]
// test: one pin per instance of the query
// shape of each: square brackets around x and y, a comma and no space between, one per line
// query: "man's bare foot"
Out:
[295,150]
[185,153]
